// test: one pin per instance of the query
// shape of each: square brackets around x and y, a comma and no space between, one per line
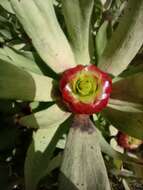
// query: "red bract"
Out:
[85,89]
[128,142]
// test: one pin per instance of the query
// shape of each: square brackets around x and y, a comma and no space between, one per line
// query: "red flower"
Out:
[128,142]
[85,89]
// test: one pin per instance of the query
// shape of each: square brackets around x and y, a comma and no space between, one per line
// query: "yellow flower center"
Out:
[84,86]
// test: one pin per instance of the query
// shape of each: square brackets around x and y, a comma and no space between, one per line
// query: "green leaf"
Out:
[125,106]
[128,122]
[125,41]
[136,67]
[17,84]
[6,34]
[129,88]
[6,5]
[77,15]
[3,20]
[18,59]
[54,163]
[101,39]
[39,21]
[83,166]
[42,119]
[37,163]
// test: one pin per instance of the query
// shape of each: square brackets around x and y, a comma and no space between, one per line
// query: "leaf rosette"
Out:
[85,89]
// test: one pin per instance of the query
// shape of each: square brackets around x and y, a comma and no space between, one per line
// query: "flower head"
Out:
[85,89]
[128,142]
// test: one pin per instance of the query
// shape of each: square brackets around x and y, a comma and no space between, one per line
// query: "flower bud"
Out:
[128,142]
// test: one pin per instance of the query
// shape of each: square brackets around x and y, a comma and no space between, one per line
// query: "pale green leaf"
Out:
[44,118]
[17,84]
[126,184]
[83,166]
[136,67]
[77,15]
[1,39]
[101,39]
[6,5]
[128,122]
[62,142]
[18,59]
[37,163]
[129,89]
[39,21]
[39,106]
[125,106]
[126,40]
[3,20]
[5,33]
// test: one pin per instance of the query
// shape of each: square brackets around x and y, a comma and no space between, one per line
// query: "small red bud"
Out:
[128,142]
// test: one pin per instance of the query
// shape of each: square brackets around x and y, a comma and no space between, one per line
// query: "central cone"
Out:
[84,84]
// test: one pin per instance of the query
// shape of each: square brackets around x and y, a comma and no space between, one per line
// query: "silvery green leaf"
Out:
[17,84]
[45,118]
[39,20]
[125,106]
[83,166]
[101,39]
[38,161]
[6,5]
[18,59]
[126,40]
[77,15]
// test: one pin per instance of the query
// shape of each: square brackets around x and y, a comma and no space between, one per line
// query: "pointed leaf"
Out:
[18,59]
[126,40]
[83,166]
[77,15]
[6,5]
[125,106]
[44,118]
[129,88]
[6,34]
[54,163]
[136,67]
[39,21]
[37,163]
[17,84]
[128,122]
[101,39]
